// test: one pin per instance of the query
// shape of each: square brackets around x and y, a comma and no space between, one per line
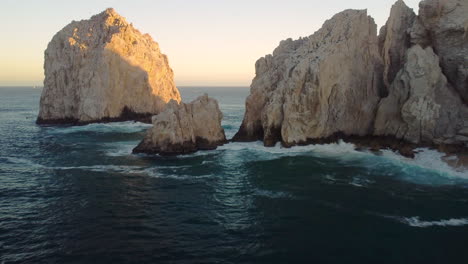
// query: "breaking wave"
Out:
[417,222]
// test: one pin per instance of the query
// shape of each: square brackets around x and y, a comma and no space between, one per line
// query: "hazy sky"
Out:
[208,42]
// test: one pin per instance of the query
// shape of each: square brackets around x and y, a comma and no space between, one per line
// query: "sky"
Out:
[208,42]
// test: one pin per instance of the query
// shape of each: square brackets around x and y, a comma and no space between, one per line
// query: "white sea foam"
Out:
[417,222]
[428,159]
[271,194]
[345,153]
[120,148]
[120,127]
[104,168]
[332,150]
[153,172]
[21,161]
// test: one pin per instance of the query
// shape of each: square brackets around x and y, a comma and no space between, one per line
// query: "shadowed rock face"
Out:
[102,70]
[445,24]
[404,90]
[185,128]
[422,106]
[395,40]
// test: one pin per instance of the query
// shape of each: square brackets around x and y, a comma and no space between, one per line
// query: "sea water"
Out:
[78,195]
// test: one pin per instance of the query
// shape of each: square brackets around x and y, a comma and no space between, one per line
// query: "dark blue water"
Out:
[78,195]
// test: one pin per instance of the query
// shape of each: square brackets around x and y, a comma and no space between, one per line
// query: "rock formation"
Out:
[317,86]
[422,107]
[444,24]
[103,69]
[395,40]
[405,88]
[185,128]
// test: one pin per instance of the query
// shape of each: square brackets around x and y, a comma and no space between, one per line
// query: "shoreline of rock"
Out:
[126,115]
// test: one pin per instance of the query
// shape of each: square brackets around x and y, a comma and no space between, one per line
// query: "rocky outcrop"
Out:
[317,86]
[403,90]
[394,40]
[444,25]
[103,69]
[185,128]
[422,107]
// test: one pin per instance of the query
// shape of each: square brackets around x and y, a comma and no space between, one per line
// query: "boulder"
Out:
[318,86]
[185,128]
[103,69]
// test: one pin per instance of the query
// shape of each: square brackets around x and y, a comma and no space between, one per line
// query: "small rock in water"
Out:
[185,128]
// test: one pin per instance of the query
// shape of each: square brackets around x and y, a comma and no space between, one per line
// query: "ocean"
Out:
[78,195]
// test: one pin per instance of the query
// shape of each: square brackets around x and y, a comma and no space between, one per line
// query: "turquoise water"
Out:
[78,195]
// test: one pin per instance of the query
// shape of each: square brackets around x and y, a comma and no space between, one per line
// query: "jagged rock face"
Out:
[395,40]
[103,69]
[317,86]
[444,25]
[185,128]
[422,107]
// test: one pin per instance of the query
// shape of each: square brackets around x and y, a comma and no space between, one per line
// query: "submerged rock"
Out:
[103,69]
[317,86]
[185,128]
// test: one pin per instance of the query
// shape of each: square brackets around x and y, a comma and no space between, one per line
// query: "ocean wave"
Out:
[333,150]
[154,172]
[417,222]
[272,194]
[21,161]
[426,160]
[104,168]
[119,127]
[120,148]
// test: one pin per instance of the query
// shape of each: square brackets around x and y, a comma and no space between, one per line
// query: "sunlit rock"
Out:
[103,69]
[185,128]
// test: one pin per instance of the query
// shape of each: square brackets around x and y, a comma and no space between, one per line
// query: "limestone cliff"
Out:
[395,40]
[185,128]
[422,106]
[406,88]
[444,25]
[317,86]
[103,69]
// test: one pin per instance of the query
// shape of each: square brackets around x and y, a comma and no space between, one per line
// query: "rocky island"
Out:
[185,128]
[103,69]
[404,88]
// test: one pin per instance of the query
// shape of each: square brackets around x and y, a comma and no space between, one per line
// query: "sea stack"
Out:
[185,128]
[403,89]
[103,69]
[318,86]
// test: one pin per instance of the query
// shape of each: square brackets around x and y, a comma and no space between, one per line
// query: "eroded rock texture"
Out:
[317,86]
[185,128]
[445,23]
[103,69]
[406,88]
[422,106]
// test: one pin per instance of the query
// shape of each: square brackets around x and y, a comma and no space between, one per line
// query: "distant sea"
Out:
[78,195]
